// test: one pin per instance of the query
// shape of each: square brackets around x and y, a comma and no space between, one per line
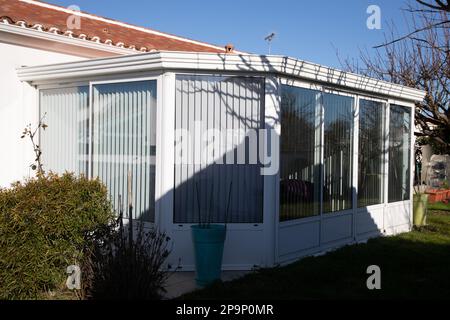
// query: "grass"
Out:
[413,265]
[439,206]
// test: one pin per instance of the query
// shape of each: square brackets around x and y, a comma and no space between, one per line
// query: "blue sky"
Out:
[307,29]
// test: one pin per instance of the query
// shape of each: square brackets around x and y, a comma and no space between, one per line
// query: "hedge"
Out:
[43,227]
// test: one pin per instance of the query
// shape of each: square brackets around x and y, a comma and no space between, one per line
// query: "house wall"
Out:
[18,107]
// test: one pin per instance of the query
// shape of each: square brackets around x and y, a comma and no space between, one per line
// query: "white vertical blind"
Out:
[65,143]
[338,154]
[124,140]
[371,153]
[218,103]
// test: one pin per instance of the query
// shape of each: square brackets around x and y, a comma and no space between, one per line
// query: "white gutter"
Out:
[213,62]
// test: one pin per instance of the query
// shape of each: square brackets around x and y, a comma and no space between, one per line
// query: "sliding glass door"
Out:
[300,153]
[338,152]
[399,153]
[124,142]
[114,138]
[371,153]
[316,156]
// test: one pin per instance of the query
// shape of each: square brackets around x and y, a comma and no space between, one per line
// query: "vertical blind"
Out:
[371,153]
[124,141]
[300,153]
[202,188]
[338,152]
[65,142]
[399,153]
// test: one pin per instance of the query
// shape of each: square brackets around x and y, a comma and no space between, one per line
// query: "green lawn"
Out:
[439,206]
[413,265]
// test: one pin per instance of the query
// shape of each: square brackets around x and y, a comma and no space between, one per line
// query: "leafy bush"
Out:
[43,228]
[124,265]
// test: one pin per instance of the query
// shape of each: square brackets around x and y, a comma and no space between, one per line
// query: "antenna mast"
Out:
[269,39]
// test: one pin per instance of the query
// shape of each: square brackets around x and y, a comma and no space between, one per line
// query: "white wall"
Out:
[18,108]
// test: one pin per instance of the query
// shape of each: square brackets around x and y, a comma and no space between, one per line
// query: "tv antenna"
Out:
[269,39]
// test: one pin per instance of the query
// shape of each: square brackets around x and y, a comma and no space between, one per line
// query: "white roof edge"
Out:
[167,60]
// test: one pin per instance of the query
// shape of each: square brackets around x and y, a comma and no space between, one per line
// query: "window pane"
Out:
[371,153]
[300,153]
[399,153]
[207,109]
[125,141]
[65,143]
[338,140]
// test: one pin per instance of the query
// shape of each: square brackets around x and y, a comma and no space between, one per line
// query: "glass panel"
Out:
[300,153]
[125,142]
[217,106]
[399,153]
[371,153]
[65,142]
[338,141]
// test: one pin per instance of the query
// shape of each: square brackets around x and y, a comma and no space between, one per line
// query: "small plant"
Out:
[122,265]
[31,132]
[126,266]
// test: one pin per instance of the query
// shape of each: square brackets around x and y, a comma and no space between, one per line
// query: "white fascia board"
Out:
[214,62]
[91,68]
[58,38]
[289,67]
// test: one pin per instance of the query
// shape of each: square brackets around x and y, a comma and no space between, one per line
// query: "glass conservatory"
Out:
[296,158]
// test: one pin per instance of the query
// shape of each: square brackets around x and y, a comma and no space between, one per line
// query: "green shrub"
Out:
[43,227]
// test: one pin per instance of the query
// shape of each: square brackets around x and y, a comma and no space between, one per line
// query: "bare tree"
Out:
[437,5]
[421,59]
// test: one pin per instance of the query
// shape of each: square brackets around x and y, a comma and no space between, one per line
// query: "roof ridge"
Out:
[119,23]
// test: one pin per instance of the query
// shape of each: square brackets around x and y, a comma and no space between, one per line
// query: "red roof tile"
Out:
[94,28]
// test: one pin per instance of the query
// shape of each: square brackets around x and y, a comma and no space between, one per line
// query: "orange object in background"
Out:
[437,195]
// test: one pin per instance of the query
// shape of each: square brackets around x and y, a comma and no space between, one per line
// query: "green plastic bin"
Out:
[208,246]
